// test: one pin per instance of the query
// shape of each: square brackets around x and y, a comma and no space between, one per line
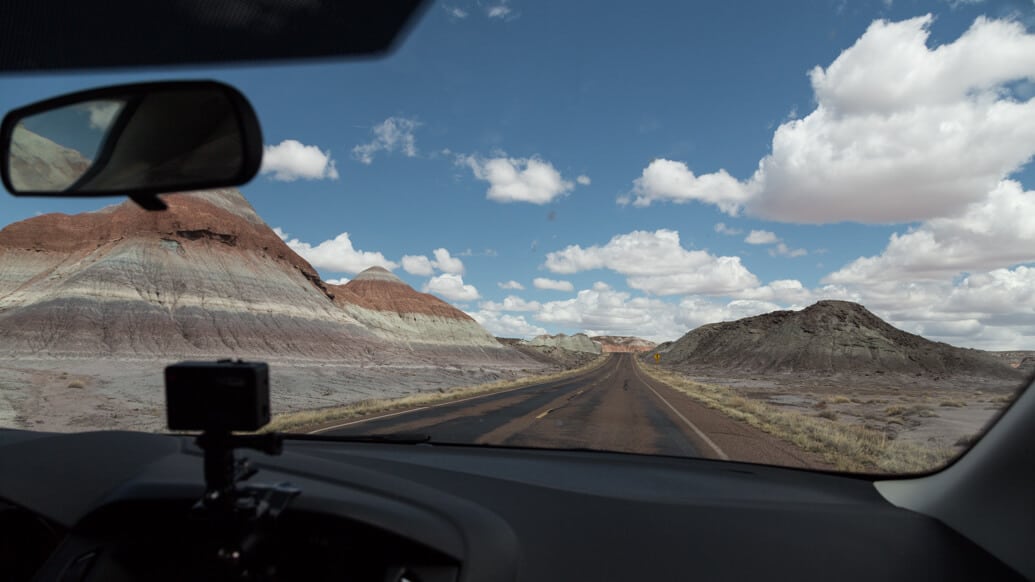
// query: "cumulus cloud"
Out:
[339,281]
[510,285]
[901,132]
[761,237]
[518,179]
[451,287]
[506,325]
[292,160]
[993,233]
[499,11]
[102,113]
[455,12]
[603,310]
[657,263]
[721,228]
[446,263]
[782,250]
[673,181]
[425,267]
[583,180]
[417,265]
[395,134]
[511,303]
[337,255]
[552,284]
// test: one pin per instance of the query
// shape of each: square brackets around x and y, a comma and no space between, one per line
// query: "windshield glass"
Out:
[792,237]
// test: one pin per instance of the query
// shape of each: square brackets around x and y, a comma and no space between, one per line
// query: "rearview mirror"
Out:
[137,140]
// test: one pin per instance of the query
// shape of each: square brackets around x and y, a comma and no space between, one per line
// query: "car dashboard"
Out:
[120,506]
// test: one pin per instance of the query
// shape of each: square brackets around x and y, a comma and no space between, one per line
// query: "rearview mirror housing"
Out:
[135,140]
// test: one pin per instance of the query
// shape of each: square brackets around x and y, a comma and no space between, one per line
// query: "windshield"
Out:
[792,237]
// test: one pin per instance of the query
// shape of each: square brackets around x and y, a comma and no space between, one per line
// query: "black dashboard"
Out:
[118,506]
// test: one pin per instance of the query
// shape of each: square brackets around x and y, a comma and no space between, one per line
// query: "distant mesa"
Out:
[828,337]
[579,342]
[623,344]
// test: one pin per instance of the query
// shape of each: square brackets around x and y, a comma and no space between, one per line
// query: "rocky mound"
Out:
[551,355]
[206,277]
[623,344]
[826,338]
[579,342]
[385,304]
[38,163]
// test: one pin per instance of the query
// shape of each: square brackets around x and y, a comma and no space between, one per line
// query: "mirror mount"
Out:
[137,140]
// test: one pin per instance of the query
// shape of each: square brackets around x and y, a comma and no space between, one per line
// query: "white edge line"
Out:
[693,426]
[401,412]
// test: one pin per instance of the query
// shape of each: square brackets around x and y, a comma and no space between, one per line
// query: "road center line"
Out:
[693,426]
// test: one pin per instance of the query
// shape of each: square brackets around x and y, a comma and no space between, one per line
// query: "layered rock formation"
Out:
[579,342]
[39,164]
[205,277]
[622,343]
[827,337]
[390,308]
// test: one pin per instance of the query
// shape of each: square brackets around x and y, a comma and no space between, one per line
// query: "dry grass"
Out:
[77,384]
[840,400]
[848,447]
[953,403]
[306,420]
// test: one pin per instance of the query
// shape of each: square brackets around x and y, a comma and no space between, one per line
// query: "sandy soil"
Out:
[67,395]
[942,411]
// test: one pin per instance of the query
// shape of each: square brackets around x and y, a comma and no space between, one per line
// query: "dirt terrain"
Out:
[837,361]
[90,394]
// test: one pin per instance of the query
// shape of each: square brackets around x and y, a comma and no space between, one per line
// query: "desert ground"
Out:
[67,395]
[934,412]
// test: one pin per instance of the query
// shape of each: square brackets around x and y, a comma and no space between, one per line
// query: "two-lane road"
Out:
[613,407]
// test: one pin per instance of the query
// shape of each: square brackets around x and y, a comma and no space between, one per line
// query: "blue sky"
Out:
[576,141]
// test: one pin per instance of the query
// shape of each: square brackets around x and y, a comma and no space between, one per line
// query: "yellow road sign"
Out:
[657,357]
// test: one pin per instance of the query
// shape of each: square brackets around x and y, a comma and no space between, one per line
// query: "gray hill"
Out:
[828,337]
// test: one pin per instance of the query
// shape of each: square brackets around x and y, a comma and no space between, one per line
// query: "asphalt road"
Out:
[613,407]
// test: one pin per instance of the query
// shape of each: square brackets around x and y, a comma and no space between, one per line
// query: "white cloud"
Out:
[395,134]
[511,303]
[482,253]
[417,265]
[292,160]
[425,267]
[673,181]
[339,281]
[782,250]
[511,285]
[451,287]
[102,113]
[552,284]
[993,233]
[901,132]
[761,237]
[337,255]
[657,263]
[721,228]
[583,180]
[519,179]
[498,11]
[990,310]
[506,325]
[447,263]
[455,12]
[603,310]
